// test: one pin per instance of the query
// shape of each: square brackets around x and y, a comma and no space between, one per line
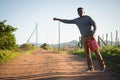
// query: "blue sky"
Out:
[24,14]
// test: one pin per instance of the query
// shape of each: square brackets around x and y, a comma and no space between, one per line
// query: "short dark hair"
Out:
[79,8]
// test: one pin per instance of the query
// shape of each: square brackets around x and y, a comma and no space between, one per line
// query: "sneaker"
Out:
[90,70]
[103,69]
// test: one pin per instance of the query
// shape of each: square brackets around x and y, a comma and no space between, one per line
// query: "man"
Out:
[85,24]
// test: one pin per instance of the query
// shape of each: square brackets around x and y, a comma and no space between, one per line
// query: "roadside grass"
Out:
[62,52]
[6,55]
[111,55]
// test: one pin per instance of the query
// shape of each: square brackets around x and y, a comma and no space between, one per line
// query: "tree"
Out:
[7,38]
[45,46]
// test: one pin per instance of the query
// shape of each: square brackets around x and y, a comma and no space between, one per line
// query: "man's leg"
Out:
[100,59]
[89,59]
[88,55]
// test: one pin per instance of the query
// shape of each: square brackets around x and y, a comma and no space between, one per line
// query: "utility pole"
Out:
[36,29]
[36,34]
[59,36]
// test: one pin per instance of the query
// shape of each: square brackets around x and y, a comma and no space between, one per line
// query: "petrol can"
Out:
[92,44]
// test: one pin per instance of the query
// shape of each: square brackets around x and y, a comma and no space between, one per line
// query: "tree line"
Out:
[7,38]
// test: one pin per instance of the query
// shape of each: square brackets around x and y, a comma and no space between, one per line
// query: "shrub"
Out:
[26,46]
[46,46]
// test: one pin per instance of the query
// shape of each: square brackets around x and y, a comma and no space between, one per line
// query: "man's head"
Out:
[80,11]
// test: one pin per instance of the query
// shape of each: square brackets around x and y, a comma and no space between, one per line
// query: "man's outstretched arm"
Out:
[65,20]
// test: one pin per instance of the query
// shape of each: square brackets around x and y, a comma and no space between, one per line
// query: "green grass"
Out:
[6,55]
[111,55]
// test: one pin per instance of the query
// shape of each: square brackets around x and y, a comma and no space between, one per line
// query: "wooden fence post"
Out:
[111,39]
[99,41]
[116,40]
[106,38]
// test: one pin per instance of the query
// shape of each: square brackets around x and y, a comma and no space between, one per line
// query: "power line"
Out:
[32,34]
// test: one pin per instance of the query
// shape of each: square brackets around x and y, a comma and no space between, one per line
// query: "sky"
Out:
[25,14]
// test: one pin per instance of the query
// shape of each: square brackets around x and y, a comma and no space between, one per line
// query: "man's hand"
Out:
[56,19]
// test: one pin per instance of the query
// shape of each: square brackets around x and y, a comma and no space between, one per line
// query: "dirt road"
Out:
[46,65]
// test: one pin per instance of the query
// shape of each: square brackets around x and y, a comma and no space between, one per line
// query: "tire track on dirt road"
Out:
[46,65]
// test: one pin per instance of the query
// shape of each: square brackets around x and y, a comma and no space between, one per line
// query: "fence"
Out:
[109,39]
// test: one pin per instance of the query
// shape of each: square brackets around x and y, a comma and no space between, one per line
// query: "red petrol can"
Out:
[93,45]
